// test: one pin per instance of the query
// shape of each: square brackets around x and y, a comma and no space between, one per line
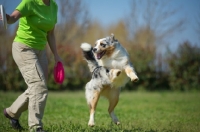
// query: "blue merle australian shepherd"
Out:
[100,84]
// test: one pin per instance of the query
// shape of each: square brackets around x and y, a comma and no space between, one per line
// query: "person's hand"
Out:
[57,59]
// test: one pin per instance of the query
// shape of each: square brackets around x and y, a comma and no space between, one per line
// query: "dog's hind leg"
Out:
[113,100]
[92,102]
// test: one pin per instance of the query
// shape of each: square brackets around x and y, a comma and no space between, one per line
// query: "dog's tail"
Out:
[89,56]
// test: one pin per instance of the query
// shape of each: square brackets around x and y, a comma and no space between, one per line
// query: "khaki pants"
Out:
[33,66]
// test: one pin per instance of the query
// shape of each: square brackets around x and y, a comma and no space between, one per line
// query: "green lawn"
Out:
[137,111]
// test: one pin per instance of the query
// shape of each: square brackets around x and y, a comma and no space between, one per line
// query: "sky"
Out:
[108,12]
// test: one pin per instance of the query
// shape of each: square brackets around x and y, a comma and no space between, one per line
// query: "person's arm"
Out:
[13,17]
[52,44]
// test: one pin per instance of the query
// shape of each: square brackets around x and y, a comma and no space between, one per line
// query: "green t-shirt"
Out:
[36,20]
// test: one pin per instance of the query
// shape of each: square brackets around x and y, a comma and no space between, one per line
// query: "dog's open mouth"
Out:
[100,54]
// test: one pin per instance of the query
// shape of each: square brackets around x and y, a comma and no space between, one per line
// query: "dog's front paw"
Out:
[134,77]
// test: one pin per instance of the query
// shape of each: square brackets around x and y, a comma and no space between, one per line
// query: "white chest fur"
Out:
[118,60]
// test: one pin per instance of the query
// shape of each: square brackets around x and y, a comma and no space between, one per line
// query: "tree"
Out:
[142,53]
[184,67]
[73,21]
[156,15]
[150,24]
[198,25]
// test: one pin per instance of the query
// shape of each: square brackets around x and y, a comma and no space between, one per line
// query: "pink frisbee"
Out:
[59,73]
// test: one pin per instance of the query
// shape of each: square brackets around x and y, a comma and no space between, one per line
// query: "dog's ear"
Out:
[112,37]
[111,40]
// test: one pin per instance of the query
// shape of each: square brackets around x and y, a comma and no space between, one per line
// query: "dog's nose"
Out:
[94,49]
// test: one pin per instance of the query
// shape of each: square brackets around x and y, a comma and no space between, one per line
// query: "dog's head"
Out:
[104,47]
[107,76]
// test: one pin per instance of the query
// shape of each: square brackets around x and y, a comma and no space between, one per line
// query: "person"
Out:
[37,19]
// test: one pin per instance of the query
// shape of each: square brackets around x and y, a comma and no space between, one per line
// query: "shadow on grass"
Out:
[74,127]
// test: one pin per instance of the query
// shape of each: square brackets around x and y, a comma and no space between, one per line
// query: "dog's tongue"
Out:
[99,56]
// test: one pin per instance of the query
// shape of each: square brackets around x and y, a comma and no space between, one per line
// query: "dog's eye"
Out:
[107,70]
[103,45]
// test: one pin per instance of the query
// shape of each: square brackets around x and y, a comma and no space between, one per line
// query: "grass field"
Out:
[137,111]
